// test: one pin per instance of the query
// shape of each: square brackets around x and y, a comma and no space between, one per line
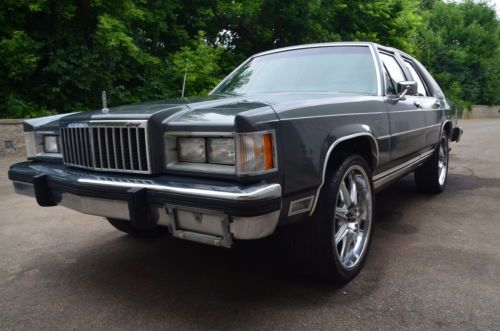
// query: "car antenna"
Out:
[184,82]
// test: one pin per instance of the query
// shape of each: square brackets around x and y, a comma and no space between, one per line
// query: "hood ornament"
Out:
[105,108]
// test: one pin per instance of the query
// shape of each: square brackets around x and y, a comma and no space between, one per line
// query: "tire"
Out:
[327,243]
[431,177]
[126,226]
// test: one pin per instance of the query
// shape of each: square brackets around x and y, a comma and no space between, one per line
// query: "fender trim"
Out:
[327,157]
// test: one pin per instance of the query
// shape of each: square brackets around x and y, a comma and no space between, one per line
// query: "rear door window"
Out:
[422,88]
[394,71]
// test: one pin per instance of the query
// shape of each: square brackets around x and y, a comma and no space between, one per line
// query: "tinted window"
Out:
[394,71]
[323,69]
[421,86]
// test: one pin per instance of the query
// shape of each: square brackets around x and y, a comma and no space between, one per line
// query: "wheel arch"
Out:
[447,127]
[358,143]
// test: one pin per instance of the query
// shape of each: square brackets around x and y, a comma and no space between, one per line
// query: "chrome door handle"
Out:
[418,104]
[437,103]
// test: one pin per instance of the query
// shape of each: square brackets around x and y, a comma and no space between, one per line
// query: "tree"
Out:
[460,46]
[57,56]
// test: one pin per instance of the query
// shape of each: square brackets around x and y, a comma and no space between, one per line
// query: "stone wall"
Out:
[11,138]
[481,111]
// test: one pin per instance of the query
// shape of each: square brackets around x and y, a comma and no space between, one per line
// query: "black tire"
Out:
[314,241]
[126,226]
[428,176]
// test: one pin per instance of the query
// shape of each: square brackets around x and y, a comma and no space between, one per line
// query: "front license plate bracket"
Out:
[200,225]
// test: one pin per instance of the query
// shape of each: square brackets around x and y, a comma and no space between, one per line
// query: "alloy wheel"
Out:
[442,162]
[353,217]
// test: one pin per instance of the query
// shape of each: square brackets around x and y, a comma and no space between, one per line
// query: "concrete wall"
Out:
[480,111]
[11,138]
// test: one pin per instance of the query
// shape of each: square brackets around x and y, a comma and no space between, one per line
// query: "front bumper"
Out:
[213,212]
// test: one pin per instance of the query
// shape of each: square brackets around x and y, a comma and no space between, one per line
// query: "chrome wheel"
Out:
[353,217]
[442,162]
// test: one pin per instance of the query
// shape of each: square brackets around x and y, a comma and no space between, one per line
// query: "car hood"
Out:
[214,110]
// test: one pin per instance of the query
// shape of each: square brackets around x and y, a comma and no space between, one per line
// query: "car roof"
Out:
[327,44]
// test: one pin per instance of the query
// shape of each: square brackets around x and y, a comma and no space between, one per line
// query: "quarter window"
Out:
[421,86]
[395,73]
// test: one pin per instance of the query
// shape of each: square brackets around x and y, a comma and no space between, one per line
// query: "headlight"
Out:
[191,149]
[41,144]
[50,144]
[256,153]
[221,150]
[232,154]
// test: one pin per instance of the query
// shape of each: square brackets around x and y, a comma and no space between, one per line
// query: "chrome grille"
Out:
[105,147]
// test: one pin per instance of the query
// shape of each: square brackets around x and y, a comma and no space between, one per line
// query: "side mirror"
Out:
[407,87]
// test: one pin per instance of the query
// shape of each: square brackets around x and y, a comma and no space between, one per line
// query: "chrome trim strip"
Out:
[405,132]
[334,115]
[403,165]
[250,193]
[199,134]
[414,110]
[327,157]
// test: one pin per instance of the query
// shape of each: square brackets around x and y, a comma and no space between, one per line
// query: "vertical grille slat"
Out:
[130,154]
[139,163]
[72,146]
[106,147]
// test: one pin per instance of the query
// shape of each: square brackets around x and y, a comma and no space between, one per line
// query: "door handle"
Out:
[418,104]
[437,103]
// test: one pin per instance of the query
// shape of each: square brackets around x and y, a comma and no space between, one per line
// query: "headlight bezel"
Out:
[172,161]
[35,144]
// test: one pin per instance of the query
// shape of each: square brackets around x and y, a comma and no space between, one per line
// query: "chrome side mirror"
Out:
[407,87]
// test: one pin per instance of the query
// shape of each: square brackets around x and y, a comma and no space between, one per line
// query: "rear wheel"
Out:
[126,226]
[431,177]
[335,243]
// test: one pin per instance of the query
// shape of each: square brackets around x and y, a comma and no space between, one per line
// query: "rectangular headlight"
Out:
[221,150]
[191,149]
[50,144]
[256,153]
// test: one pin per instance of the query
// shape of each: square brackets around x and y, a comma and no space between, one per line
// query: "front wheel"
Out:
[431,177]
[336,241]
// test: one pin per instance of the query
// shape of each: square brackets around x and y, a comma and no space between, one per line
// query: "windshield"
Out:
[346,69]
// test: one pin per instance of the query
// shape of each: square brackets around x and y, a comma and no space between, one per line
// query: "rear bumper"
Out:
[456,134]
[212,212]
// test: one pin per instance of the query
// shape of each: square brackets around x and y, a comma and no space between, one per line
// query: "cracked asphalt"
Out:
[434,264]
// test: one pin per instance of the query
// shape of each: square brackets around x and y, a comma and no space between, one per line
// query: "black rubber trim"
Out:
[43,194]
[245,208]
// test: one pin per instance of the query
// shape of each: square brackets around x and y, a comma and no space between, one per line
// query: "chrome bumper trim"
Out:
[243,228]
[250,193]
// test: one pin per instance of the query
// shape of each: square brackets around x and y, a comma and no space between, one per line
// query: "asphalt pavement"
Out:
[434,264]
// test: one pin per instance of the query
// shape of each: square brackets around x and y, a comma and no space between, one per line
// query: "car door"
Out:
[426,100]
[406,118]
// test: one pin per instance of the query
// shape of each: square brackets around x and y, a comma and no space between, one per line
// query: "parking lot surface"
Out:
[434,263]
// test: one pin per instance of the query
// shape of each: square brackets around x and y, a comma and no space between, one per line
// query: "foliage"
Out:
[460,46]
[57,56]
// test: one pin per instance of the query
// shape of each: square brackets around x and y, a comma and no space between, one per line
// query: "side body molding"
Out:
[329,152]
